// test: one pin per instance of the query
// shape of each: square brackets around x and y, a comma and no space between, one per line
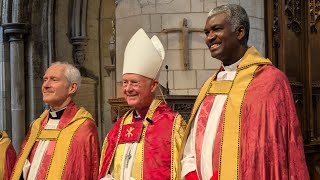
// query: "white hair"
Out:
[71,72]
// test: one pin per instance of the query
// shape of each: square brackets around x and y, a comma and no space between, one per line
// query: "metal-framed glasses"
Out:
[134,84]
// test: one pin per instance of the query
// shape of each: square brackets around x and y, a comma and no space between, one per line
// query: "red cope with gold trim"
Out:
[131,133]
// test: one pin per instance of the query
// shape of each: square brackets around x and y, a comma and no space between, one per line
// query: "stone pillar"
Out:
[5,108]
[15,32]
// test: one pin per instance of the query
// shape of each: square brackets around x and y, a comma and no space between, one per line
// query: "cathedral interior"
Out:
[92,34]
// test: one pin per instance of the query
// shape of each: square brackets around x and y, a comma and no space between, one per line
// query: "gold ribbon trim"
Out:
[251,58]
[230,143]
[203,93]
[48,134]
[63,138]
[61,151]
[137,169]
[120,150]
[178,131]
[220,87]
[35,130]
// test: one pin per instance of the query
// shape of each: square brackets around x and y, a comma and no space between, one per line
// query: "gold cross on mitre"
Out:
[129,132]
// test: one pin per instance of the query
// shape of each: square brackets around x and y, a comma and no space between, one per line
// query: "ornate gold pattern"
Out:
[129,132]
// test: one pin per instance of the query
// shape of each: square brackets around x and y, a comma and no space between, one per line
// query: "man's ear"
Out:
[154,85]
[73,88]
[241,32]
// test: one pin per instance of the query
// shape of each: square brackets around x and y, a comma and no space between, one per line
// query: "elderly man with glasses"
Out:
[145,142]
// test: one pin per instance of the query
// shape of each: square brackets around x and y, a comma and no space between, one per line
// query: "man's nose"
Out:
[211,35]
[129,87]
[46,83]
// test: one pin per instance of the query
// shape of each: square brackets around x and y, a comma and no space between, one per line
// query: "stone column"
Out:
[5,108]
[15,33]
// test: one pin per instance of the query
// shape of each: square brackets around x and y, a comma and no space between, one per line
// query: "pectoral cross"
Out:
[128,157]
[185,43]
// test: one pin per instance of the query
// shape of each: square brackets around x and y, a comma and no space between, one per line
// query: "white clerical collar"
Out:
[56,114]
[232,67]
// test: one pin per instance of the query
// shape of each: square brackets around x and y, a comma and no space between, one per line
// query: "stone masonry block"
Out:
[196,59]
[108,12]
[257,39]
[149,7]
[119,65]
[128,26]
[175,40]
[234,1]
[173,6]
[91,62]
[93,5]
[195,20]
[173,59]
[196,40]
[193,92]
[93,32]
[222,2]
[163,78]
[106,28]
[156,23]
[209,4]
[126,8]
[254,8]
[256,23]
[196,5]
[185,79]
[178,92]
[63,47]
[92,45]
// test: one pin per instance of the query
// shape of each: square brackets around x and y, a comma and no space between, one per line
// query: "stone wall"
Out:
[108,78]
[155,15]
[94,93]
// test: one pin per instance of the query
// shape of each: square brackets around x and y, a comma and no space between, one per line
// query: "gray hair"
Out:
[237,16]
[71,72]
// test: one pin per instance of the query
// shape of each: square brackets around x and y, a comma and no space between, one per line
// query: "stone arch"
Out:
[40,34]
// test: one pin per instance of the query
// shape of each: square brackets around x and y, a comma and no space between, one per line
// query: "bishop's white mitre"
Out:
[143,56]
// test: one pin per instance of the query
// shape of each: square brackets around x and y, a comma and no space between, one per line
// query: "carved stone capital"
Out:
[15,31]
[79,55]
[109,69]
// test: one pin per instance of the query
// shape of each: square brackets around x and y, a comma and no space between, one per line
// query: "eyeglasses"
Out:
[134,84]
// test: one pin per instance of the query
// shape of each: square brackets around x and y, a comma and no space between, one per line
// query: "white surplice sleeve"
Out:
[188,162]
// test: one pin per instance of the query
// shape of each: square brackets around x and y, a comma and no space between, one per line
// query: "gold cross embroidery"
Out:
[129,132]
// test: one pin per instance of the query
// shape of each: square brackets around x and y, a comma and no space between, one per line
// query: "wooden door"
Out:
[293,44]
